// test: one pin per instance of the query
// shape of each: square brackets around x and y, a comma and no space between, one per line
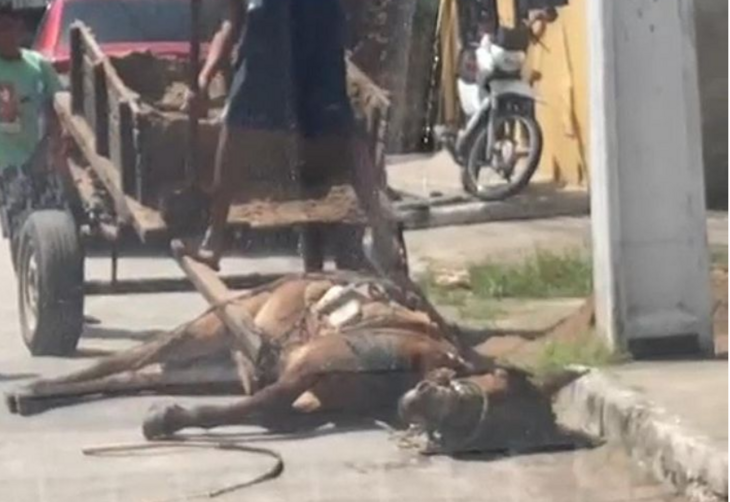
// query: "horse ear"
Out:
[441,376]
[554,383]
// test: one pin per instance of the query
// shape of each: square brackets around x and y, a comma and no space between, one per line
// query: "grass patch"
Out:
[468,305]
[720,256]
[542,275]
[539,276]
[586,350]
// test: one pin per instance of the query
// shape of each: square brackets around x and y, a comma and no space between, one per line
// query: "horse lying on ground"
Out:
[330,343]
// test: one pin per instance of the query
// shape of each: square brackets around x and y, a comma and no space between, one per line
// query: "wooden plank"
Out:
[339,205]
[218,295]
[146,221]
[83,182]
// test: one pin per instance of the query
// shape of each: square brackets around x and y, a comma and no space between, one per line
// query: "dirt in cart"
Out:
[162,83]
[162,86]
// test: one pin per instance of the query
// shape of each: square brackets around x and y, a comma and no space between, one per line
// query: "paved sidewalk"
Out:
[512,240]
[670,416]
[433,196]
[695,391]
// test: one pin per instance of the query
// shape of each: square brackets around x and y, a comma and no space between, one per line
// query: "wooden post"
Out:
[77,71]
[101,110]
[128,155]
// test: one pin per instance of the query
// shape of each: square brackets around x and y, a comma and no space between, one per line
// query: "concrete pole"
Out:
[651,258]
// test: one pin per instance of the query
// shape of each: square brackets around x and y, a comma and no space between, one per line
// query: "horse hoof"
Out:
[159,423]
[25,404]
[12,403]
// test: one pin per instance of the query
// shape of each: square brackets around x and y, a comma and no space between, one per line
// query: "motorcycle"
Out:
[500,146]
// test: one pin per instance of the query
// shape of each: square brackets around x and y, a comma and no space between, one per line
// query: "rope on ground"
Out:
[273,472]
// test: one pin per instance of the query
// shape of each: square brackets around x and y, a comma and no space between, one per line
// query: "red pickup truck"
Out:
[120,26]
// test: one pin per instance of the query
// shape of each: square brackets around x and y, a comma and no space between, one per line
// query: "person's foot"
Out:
[200,253]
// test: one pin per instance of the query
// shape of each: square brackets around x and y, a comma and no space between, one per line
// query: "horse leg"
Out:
[302,370]
[205,379]
[204,336]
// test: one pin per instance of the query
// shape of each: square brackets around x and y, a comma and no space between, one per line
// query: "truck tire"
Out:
[50,283]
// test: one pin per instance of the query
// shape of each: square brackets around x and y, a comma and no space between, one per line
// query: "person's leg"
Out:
[348,246]
[323,163]
[313,240]
[213,243]
[251,165]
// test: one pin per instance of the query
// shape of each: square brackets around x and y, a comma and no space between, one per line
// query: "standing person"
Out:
[27,85]
[288,114]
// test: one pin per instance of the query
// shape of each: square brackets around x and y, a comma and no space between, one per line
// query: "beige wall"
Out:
[559,64]
[561,60]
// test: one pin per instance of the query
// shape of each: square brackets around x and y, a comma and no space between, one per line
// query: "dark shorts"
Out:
[291,72]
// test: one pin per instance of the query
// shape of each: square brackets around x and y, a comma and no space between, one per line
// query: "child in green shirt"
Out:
[27,85]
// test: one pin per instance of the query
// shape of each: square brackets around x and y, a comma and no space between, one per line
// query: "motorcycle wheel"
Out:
[518,144]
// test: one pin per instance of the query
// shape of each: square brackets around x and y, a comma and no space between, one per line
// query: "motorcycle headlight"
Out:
[468,67]
[509,61]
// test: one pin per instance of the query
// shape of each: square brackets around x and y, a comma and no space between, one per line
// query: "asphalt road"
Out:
[41,459]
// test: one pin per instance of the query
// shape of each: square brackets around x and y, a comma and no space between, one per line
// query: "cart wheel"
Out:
[14,248]
[50,283]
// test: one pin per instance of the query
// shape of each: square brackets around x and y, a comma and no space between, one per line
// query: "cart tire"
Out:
[50,283]
[14,242]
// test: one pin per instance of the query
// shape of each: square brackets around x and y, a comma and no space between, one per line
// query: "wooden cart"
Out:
[124,118]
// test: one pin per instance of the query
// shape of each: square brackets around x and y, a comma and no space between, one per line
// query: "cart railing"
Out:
[109,107]
[112,110]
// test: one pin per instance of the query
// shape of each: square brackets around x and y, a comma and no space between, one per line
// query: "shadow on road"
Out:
[567,441]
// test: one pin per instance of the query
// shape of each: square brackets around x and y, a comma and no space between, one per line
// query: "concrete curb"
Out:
[600,406]
[465,213]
